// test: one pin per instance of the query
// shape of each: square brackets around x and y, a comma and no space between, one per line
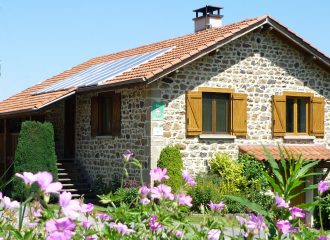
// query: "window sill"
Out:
[104,137]
[216,136]
[299,137]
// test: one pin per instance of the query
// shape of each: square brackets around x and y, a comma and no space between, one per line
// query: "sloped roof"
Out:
[185,49]
[308,152]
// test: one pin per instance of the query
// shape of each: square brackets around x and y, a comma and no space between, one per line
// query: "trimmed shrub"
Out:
[35,152]
[230,173]
[170,158]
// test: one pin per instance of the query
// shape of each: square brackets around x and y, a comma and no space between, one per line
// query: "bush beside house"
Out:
[171,159]
[35,152]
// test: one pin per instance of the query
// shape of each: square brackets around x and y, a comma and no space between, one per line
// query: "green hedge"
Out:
[170,158]
[35,152]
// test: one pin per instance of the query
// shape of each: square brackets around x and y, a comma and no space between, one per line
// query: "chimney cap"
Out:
[208,9]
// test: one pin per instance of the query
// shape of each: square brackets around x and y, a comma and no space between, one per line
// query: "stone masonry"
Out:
[258,64]
[103,155]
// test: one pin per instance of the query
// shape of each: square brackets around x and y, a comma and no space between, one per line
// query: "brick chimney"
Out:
[207,17]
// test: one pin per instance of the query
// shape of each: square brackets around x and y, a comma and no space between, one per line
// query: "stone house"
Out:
[223,89]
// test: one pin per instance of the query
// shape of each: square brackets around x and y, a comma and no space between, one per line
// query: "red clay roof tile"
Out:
[308,152]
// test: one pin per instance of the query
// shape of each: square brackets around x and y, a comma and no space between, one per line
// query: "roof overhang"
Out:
[105,87]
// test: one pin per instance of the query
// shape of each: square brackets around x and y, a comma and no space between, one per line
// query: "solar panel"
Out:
[102,72]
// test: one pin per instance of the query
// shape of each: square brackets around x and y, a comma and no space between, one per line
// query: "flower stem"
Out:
[320,215]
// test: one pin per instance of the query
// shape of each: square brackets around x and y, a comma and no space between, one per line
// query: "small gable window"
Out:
[298,114]
[105,115]
[216,111]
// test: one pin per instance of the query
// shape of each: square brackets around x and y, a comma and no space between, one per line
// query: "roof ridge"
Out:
[183,36]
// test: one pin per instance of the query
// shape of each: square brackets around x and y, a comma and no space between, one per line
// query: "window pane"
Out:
[301,115]
[222,113]
[289,115]
[106,116]
[207,112]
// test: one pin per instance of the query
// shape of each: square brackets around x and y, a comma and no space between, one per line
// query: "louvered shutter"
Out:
[116,114]
[317,116]
[239,114]
[94,116]
[194,113]
[279,115]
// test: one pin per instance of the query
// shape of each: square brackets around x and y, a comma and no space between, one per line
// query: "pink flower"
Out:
[86,225]
[216,207]
[213,234]
[241,220]
[153,224]
[179,234]
[127,155]
[45,179]
[121,228]
[28,177]
[255,224]
[280,203]
[10,204]
[162,191]
[323,187]
[159,174]
[60,229]
[323,238]
[145,201]
[37,210]
[69,207]
[188,179]
[284,226]
[87,208]
[297,212]
[103,216]
[144,191]
[184,200]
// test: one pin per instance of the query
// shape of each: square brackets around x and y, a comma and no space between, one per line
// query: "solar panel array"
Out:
[102,72]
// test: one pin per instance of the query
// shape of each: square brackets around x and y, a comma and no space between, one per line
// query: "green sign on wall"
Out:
[157,111]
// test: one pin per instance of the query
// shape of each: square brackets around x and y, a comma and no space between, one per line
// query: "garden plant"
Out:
[158,213]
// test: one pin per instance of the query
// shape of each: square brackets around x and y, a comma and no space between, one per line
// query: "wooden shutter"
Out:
[317,116]
[239,114]
[194,113]
[279,115]
[94,116]
[116,114]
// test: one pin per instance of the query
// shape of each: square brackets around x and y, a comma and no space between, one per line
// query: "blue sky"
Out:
[39,38]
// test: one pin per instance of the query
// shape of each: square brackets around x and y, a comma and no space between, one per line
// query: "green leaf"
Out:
[274,166]
[272,182]
[302,172]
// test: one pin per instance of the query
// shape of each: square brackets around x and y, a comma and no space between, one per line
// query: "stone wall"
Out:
[55,115]
[103,155]
[258,64]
